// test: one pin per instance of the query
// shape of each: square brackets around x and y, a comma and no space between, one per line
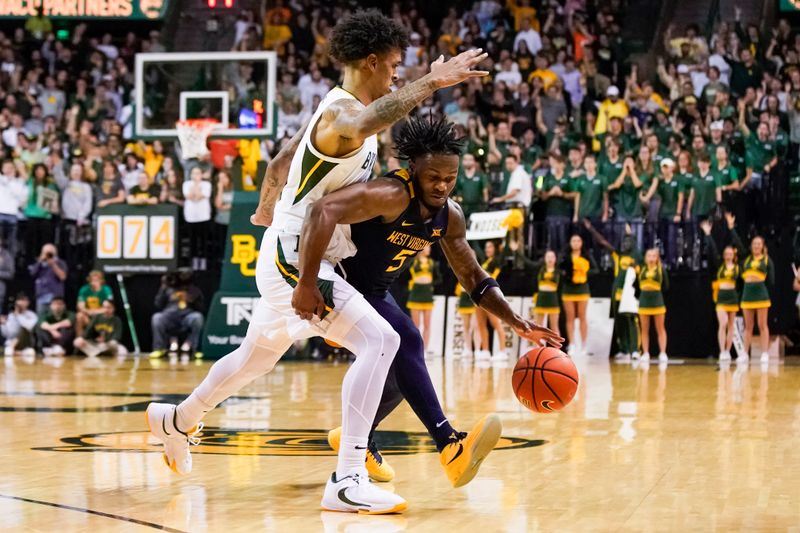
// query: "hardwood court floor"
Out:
[687,448]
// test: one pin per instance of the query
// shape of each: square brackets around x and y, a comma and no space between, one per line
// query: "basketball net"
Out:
[193,136]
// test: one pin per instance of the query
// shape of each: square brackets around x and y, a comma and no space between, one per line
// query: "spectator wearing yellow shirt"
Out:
[276,31]
[612,106]
[522,10]
[543,72]
[152,154]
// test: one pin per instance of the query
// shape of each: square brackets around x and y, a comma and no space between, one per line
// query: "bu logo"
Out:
[244,253]
[238,308]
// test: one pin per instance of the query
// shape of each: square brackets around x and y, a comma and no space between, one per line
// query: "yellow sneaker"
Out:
[377,467]
[462,457]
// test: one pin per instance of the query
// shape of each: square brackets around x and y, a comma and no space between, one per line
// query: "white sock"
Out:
[375,344]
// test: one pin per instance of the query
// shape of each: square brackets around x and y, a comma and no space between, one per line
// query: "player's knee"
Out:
[390,340]
[411,343]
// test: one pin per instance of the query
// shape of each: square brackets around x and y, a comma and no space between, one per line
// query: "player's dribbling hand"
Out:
[536,334]
[459,68]
[307,301]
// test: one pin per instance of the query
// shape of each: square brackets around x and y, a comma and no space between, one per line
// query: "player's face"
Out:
[436,177]
[386,71]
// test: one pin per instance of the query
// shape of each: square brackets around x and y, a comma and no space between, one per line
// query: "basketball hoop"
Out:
[193,136]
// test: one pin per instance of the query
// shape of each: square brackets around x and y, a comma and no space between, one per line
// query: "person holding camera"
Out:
[181,304]
[48,272]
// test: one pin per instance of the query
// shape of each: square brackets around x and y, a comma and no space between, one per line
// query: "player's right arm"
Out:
[345,124]
[470,275]
[274,180]
[382,197]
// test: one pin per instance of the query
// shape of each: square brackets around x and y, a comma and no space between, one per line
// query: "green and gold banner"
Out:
[232,306]
[86,9]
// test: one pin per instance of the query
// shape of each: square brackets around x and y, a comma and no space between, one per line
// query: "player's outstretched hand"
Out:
[459,68]
[307,301]
[527,329]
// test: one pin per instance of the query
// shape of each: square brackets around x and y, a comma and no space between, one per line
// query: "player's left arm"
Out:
[381,197]
[475,280]
[275,178]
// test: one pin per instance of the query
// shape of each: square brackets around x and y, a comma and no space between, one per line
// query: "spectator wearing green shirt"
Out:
[56,329]
[728,179]
[760,152]
[103,334]
[627,203]
[90,299]
[705,192]
[591,198]
[558,200]
[670,190]
[646,169]
[717,139]
[472,186]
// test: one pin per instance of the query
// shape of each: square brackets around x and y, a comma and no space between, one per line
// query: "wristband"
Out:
[481,288]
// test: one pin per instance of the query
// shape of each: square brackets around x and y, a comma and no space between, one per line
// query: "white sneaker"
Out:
[742,359]
[355,494]
[622,357]
[644,357]
[725,355]
[663,357]
[765,357]
[161,419]
[28,353]
[467,355]
[502,355]
[571,351]
[8,351]
[483,355]
[58,350]
[47,351]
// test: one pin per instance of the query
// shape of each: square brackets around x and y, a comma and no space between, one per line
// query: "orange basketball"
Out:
[545,379]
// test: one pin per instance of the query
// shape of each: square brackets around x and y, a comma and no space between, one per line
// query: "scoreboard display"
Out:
[137,239]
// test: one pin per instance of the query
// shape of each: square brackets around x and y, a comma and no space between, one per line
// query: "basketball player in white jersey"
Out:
[337,148]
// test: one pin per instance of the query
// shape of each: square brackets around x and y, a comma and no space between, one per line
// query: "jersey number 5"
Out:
[401,258]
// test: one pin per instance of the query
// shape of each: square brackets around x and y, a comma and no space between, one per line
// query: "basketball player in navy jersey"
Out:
[337,148]
[392,218]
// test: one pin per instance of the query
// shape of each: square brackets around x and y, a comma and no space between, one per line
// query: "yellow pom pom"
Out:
[513,220]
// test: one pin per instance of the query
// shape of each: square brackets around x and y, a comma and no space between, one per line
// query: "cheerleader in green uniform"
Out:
[546,301]
[757,272]
[492,266]
[466,308]
[420,292]
[626,327]
[652,281]
[726,274]
[576,266]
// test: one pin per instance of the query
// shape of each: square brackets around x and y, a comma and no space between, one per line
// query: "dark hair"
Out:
[421,136]
[366,32]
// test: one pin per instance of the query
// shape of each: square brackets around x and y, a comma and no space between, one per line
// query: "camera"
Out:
[49,255]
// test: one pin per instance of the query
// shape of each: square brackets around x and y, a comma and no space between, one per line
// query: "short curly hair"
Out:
[421,136]
[366,32]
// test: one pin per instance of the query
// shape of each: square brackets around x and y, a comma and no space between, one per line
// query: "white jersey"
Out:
[312,175]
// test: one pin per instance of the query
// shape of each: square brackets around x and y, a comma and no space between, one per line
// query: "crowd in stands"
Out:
[566,129]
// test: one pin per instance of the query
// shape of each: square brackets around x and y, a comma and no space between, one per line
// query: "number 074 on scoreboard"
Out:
[135,239]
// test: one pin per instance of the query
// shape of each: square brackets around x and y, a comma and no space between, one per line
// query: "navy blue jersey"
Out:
[387,249]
